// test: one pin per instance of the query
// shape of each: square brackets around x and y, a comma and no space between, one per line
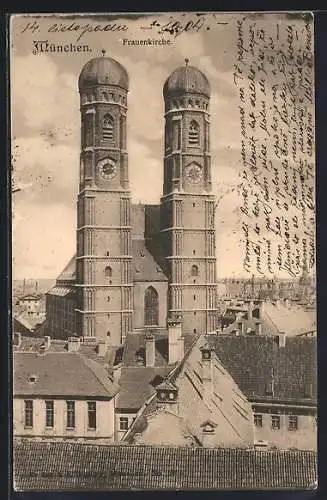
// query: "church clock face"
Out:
[107,168]
[193,173]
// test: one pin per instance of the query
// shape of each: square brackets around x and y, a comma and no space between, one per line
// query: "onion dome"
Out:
[103,71]
[186,79]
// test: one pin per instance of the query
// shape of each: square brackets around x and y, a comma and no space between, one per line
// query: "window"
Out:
[258,420]
[108,272]
[275,422]
[91,415]
[123,423]
[88,129]
[151,306]
[49,413]
[108,128]
[70,414]
[194,330]
[194,270]
[194,134]
[28,413]
[292,423]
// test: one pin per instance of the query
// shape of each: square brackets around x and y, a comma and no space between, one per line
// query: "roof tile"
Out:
[50,466]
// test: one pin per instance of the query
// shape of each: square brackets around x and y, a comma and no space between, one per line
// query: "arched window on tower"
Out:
[107,272]
[151,306]
[195,270]
[108,128]
[194,134]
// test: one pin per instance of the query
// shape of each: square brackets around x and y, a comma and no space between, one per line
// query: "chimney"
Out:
[281,338]
[117,373]
[73,344]
[167,394]
[47,341]
[175,341]
[17,339]
[270,386]
[287,303]
[207,368]
[262,309]
[102,348]
[240,327]
[150,350]
[258,328]
[208,434]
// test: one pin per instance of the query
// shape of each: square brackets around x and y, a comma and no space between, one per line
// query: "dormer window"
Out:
[208,427]
[206,352]
[108,128]
[167,392]
[32,379]
[194,134]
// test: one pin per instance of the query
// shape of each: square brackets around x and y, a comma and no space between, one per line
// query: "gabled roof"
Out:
[224,403]
[29,321]
[60,374]
[30,297]
[69,272]
[138,381]
[145,267]
[138,384]
[61,291]
[292,321]
[47,466]
[252,360]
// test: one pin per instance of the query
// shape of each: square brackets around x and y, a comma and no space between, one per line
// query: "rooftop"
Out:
[88,348]
[186,79]
[103,71]
[60,374]
[275,317]
[47,466]
[28,320]
[226,404]
[253,360]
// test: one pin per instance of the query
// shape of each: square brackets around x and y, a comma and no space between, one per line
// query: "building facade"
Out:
[60,395]
[138,265]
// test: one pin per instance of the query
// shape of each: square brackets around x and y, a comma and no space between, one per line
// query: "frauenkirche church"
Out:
[139,266]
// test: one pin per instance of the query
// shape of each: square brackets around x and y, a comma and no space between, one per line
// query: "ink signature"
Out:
[176,27]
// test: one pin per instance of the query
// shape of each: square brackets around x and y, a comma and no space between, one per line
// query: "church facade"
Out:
[139,266]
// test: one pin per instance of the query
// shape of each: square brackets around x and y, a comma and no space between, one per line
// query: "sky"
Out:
[46,132]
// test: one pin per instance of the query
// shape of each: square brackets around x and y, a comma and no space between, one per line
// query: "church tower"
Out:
[103,263]
[187,204]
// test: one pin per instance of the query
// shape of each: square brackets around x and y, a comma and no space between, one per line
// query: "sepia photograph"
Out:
[164,332]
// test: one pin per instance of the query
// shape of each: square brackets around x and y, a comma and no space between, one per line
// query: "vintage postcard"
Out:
[164,287]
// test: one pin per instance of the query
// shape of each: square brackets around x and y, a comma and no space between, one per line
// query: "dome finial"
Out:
[187,61]
[103,52]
